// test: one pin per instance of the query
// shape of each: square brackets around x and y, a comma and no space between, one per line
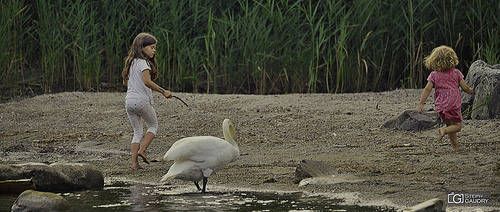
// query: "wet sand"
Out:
[274,133]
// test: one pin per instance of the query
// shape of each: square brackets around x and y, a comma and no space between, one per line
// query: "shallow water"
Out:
[125,196]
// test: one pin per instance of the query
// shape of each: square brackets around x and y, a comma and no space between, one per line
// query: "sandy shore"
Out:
[275,133]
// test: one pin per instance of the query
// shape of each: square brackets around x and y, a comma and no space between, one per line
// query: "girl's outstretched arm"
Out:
[425,95]
[465,87]
[146,77]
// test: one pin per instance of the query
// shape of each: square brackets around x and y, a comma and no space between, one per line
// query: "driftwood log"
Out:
[311,168]
[16,186]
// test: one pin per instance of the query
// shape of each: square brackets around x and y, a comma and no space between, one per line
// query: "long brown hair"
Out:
[141,40]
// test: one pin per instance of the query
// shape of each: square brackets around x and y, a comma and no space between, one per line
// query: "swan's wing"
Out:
[198,148]
[185,170]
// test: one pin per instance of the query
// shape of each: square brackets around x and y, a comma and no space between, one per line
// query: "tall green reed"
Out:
[318,39]
[51,37]
[485,38]
[86,45]
[117,27]
[490,52]
[255,34]
[417,25]
[210,62]
[183,32]
[245,46]
[14,44]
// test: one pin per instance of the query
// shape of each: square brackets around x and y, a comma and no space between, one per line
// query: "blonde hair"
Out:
[141,40]
[441,58]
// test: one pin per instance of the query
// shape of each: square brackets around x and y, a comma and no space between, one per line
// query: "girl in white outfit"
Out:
[139,70]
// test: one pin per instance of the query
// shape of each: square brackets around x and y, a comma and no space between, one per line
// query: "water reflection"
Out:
[140,197]
[123,196]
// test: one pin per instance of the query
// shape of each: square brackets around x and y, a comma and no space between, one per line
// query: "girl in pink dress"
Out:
[447,97]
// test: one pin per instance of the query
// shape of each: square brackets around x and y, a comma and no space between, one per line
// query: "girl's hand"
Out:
[167,94]
[425,95]
[466,87]
[420,108]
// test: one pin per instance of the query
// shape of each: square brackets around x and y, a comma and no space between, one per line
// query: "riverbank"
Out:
[274,133]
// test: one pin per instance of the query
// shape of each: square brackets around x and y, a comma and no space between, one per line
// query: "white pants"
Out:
[137,109]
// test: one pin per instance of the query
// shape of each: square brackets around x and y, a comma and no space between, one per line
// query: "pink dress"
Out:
[447,96]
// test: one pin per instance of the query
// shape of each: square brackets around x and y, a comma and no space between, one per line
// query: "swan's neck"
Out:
[229,133]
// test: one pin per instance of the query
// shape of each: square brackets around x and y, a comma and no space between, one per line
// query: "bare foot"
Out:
[136,167]
[144,157]
[441,134]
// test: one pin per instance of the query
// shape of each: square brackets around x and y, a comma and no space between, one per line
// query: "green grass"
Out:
[14,44]
[242,46]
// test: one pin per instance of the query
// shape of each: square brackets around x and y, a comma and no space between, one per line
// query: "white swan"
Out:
[198,157]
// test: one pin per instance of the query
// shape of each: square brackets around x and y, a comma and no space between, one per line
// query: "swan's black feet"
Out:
[205,180]
[197,185]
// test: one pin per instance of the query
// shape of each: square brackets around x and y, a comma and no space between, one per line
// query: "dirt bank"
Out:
[274,132]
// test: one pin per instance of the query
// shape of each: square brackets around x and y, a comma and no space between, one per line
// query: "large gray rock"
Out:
[411,120]
[494,103]
[82,176]
[39,201]
[57,177]
[46,178]
[484,102]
